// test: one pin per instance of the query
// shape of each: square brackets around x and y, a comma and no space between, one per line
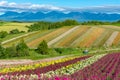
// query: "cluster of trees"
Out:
[42,25]
[18,50]
[16,31]
[3,34]
[117,22]
[95,23]
[99,23]
[22,50]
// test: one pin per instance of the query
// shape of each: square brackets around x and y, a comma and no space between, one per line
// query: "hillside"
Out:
[77,36]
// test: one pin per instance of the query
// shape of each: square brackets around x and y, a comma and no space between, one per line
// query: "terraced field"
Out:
[78,36]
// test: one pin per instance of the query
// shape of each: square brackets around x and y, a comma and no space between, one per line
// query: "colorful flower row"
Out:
[73,65]
[70,69]
[107,68]
[33,65]
[39,70]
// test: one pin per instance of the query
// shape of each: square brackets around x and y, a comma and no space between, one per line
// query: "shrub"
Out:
[14,31]
[3,34]
[58,50]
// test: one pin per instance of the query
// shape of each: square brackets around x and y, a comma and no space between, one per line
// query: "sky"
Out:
[71,3]
[60,5]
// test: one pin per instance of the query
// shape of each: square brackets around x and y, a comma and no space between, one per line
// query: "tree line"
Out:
[42,25]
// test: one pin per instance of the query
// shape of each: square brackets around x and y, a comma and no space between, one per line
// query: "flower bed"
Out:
[42,67]
[70,69]
[107,68]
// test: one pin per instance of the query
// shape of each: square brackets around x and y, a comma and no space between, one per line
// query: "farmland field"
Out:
[82,36]
[59,40]
[97,67]
[69,43]
[8,26]
[85,37]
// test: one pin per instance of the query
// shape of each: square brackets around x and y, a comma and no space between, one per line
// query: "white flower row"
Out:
[74,67]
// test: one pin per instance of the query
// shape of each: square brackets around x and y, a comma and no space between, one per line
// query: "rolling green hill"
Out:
[78,36]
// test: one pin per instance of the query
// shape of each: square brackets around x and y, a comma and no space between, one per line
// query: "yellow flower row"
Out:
[34,66]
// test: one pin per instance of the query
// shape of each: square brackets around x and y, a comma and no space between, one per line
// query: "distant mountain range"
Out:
[58,16]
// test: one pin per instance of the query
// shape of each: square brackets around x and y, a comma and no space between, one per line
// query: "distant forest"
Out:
[42,25]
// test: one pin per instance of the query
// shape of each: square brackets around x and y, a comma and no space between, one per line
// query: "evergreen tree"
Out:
[43,48]
[22,49]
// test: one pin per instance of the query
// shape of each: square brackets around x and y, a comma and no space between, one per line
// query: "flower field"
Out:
[42,71]
[47,37]
[97,67]
[89,39]
[81,36]
[71,37]
[117,39]
[107,68]
[87,36]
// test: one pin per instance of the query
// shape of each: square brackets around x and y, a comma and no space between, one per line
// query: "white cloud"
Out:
[30,6]
[3,3]
[13,4]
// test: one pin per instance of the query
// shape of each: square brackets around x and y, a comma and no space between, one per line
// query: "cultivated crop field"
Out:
[89,36]
[8,26]
[79,36]
[97,67]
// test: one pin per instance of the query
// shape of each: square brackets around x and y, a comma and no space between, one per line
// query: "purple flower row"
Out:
[107,68]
